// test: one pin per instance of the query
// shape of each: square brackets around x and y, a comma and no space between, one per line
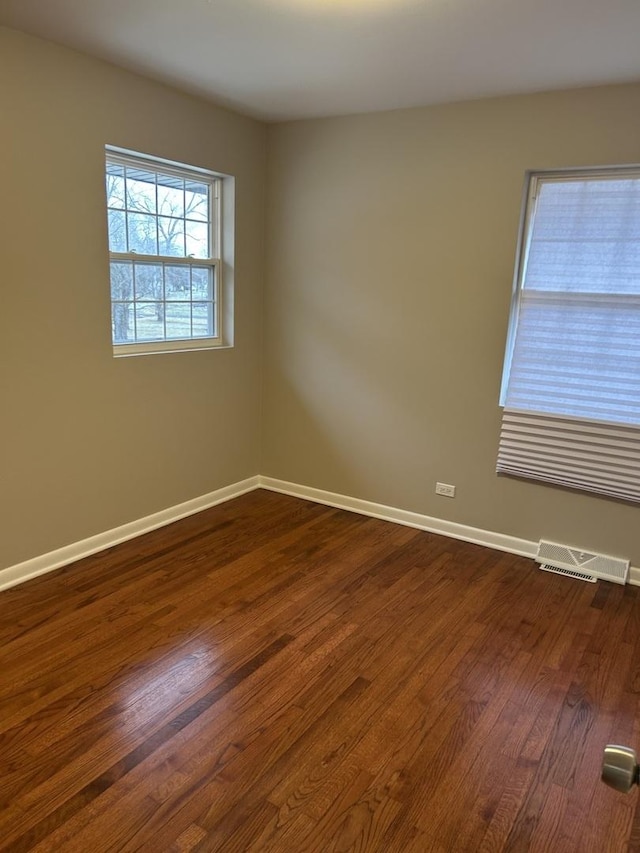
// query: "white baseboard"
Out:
[70,553]
[498,541]
[488,538]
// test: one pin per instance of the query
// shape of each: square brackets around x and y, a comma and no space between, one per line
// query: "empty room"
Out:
[320,426]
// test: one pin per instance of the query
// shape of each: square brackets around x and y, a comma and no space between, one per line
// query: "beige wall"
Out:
[391,241]
[89,442]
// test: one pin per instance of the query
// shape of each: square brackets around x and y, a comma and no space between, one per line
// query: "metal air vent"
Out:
[584,564]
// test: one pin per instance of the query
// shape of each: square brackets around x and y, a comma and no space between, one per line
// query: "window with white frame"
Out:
[571,383]
[164,248]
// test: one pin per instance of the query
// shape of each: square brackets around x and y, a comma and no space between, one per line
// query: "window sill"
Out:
[162,347]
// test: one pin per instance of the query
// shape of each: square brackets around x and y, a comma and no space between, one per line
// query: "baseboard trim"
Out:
[498,541]
[86,547]
[14,575]
[476,535]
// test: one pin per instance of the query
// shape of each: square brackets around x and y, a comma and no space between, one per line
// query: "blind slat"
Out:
[591,456]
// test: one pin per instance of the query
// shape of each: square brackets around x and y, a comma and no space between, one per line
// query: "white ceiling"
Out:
[283,59]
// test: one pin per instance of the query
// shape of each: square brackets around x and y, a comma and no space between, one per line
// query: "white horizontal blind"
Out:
[586,455]
[575,343]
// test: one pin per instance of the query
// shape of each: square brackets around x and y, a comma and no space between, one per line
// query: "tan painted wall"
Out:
[89,442]
[391,241]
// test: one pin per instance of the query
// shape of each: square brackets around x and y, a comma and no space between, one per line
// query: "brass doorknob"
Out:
[620,767]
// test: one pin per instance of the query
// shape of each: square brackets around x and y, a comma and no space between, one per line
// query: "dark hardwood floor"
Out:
[274,675]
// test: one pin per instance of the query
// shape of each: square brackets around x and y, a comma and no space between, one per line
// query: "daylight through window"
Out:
[164,245]
[571,388]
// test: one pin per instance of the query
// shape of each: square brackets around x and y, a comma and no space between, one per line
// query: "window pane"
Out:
[121,280]
[596,267]
[170,196]
[585,237]
[177,282]
[577,358]
[115,186]
[141,190]
[197,239]
[196,201]
[575,348]
[149,321]
[122,322]
[178,318]
[117,231]
[148,282]
[202,282]
[143,234]
[171,236]
[202,320]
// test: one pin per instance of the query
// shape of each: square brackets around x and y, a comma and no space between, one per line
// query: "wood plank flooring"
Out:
[272,675]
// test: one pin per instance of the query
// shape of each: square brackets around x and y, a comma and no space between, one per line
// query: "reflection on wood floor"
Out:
[275,675]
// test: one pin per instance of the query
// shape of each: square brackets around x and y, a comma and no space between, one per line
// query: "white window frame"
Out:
[530,192]
[214,261]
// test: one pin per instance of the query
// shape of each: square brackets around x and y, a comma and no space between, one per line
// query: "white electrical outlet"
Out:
[445,490]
